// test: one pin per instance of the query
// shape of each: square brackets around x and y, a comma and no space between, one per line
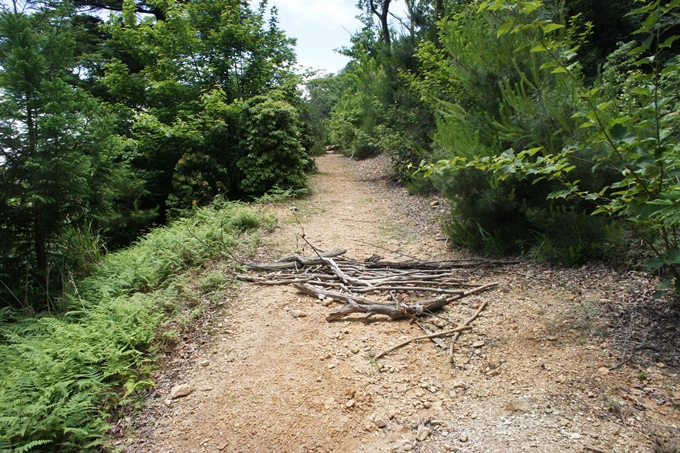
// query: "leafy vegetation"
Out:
[110,127]
[58,372]
[633,137]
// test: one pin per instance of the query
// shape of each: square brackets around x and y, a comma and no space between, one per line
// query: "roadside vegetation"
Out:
[129,131]
[64,371]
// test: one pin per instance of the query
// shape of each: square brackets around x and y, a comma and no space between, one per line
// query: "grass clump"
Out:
[59,373]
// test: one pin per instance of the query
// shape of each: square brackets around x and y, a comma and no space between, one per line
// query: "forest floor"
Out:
[268,374]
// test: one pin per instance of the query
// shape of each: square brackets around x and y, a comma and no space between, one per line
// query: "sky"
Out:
[320,27]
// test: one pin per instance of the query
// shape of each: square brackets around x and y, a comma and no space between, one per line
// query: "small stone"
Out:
[575,436]
[459,385]
[449,447]
[168,402]
[327,301]
[350,403]
[427,404]
[380,423]
[494,372]
[603,371]
[180,390]
[204,362]
[439,322]
[423,432]
[222,446]
[463,438]
[298,313]
[434,203]
[661,365]
[520,405]
[477,344]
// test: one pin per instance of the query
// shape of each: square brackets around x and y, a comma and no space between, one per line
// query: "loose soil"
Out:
[540,377]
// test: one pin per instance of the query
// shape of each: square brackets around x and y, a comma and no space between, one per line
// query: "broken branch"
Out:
[423,337]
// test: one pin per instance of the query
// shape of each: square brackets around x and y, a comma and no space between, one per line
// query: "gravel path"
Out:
[534,374]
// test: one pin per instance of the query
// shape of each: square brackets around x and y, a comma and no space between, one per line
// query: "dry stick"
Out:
[406,310]
[472,318]
[424,337]
[388,250]
[408,288]
[436,265]
[313,291]
[291,261]
[439,342]
[343,276]
[304,259]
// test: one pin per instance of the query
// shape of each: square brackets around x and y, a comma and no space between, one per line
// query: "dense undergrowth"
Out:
[58,371]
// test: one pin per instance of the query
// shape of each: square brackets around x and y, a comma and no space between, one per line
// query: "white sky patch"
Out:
[320,27]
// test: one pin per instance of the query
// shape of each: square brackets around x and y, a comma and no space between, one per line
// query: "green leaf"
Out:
[559,70]
[654,264]
[552,27]
[505,27]
[538,48]
[672,256]
[659,294]
[530,7]
[669,42]
[650,21]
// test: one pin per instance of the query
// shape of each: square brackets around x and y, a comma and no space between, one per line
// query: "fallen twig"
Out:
[466,323]
[388,250]
[424,337]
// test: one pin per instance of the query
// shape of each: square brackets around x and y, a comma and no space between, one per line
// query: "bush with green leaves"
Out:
[500,99]
[59,373]
[632,135]
[272,152]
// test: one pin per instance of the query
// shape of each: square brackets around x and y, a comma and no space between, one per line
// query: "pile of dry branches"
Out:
[403,289]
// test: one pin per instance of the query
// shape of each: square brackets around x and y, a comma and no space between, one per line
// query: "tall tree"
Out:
[181,81]
[54,142]
[381,9]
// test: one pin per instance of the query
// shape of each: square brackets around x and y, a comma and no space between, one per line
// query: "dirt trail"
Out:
[271,382]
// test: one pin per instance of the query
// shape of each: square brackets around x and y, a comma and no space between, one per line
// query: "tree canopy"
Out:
[108,126]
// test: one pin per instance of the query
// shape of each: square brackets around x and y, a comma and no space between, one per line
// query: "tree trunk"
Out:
[382,16]
[40,238]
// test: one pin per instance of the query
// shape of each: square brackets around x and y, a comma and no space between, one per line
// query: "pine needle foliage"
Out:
[58,373]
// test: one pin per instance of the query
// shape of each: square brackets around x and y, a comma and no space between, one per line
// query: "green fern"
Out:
[56,371]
